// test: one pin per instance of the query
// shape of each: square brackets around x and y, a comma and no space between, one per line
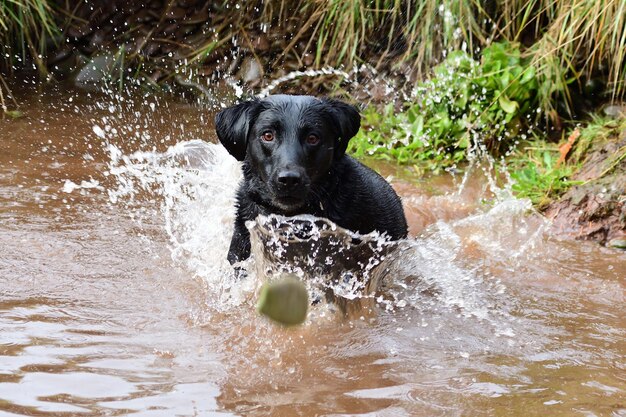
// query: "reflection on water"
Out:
[116,298]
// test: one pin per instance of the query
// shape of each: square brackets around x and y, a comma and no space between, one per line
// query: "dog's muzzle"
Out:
[290,189]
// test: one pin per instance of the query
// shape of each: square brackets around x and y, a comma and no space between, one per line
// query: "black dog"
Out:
[294,162]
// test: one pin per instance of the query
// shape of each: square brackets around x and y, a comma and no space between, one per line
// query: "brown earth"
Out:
[596,209]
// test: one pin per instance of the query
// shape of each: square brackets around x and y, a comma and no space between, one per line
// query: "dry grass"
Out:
[569,42]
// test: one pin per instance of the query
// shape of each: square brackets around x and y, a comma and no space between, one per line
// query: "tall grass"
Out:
[27,27]
[585,38]
[568,41]
[344,32]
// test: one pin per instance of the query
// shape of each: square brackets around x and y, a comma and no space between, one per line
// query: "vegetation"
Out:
[543,171]
[569,40]
[27,28]
[488,105]
[577,45]
[570,44]
[465,104]
[538,175]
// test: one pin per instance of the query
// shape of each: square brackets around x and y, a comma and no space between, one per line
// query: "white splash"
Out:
[69,186]
[193,185]
[188,192]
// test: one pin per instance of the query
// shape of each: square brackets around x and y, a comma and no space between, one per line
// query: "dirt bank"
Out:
[596,208]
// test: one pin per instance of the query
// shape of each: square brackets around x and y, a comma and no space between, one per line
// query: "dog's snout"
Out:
[289,179]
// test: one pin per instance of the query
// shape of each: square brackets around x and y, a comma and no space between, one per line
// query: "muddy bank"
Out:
[596,209]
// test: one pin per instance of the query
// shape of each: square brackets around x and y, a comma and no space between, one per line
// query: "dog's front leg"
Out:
[240,243]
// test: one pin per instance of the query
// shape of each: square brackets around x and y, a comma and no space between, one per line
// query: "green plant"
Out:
[543,172]
[582,40]
[537,175]
[598,129]
[465,104]
[569,42]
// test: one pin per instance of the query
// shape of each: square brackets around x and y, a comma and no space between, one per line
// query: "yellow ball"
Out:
[285,300]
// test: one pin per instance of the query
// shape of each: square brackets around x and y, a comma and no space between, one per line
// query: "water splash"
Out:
[293,75]
[334,261]
[193,183]
[187,191]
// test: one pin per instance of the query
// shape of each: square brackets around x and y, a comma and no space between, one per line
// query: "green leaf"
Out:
[529,75]
[509,106]
[547,160]
[505,79]
[463,143]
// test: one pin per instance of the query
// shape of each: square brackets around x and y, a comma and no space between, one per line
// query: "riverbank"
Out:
[594,208]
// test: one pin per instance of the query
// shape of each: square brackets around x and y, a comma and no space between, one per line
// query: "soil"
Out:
[596,209]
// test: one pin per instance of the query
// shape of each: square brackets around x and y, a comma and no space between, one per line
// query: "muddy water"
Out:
[115,297]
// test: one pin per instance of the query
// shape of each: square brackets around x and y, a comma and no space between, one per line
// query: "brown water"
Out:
[115,297]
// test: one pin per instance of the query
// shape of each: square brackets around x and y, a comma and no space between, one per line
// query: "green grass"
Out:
[539,177]
[27,27]
[536,174]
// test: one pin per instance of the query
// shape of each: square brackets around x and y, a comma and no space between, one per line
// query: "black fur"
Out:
[301,167]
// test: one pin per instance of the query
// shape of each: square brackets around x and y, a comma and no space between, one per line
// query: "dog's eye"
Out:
[267,136]
[312,140]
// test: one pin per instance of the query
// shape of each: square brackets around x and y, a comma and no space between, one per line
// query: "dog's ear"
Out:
[232,126]
[347,120]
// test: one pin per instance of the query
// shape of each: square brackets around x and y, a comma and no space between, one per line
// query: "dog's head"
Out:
[288,143]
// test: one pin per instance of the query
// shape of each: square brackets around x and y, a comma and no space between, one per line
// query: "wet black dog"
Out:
[294,162]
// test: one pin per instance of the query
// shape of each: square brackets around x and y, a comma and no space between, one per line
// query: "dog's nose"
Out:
[289,179]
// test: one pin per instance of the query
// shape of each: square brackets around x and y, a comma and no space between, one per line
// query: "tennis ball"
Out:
[284,300]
